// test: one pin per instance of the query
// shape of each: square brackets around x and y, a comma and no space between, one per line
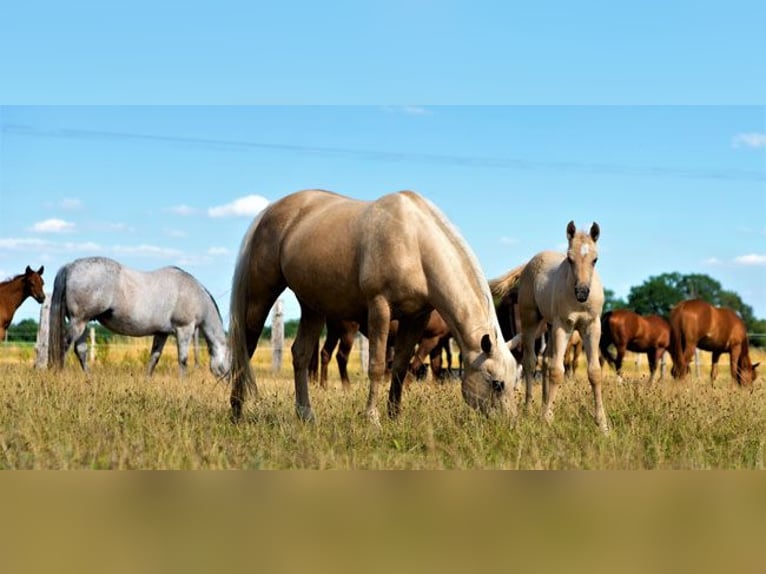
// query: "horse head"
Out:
[582,256]
[489,379]
[33,283]
[746,371]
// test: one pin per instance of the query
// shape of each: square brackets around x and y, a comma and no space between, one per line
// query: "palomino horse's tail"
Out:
[242,380]
[504,284]
[56,335]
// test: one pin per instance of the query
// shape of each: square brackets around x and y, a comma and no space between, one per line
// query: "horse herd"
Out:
[398,271]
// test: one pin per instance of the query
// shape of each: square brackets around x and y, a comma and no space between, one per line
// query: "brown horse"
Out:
[629,331]
[15,291]
[696,323]
[394,258]
[564,291]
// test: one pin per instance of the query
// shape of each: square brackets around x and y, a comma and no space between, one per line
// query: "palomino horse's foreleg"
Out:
[309,329]
[529,362]
[378,322]
[158,343]
[410,331]
[591,338]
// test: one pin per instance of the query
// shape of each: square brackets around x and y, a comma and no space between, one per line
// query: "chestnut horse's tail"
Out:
[57,317]
[606,339]
[677,343]
[504,284]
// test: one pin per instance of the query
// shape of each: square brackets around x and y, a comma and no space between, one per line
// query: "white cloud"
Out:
[505,240]
[247,206]
[53,225]
[217,251]
[750,139]
[70,203]
[712,261]
[177,233]
[147,250]
[750,259]
[182,210]
[35,244]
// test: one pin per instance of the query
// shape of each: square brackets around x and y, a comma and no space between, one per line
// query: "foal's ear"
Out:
[28,270]
[40,271]
[571,230]
[486,344]
[595,231]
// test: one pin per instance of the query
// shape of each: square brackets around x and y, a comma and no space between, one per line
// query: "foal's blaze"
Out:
[582,256]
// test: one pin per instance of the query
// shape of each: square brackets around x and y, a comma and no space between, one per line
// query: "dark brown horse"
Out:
[696,323]
[629,331]
[15,291]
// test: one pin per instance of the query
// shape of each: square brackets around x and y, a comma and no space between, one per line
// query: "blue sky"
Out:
[674,188]
[123,127]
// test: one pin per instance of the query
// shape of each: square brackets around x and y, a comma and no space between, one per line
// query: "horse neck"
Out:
[13,294]
[211,328]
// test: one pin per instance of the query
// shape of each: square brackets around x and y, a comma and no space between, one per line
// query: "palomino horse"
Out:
[394,258]
[696,323]
[563,290]
[629,331]
[133,303]
[15,291]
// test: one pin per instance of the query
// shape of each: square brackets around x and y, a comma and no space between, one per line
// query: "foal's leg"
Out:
[309,329]
[158,343]
[590,339]
[410,331]
[378,323]
[555,371]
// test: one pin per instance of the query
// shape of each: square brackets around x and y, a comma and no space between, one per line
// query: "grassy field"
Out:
[116,418]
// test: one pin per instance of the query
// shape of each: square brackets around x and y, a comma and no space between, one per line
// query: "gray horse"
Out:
[133,303]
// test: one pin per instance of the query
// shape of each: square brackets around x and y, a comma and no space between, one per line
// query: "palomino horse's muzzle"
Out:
[581,293]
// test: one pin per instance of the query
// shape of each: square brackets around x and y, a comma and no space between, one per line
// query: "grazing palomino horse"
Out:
[394,258]
[696,323]
[15,291]
[133,303]
[563,290]
[629,331]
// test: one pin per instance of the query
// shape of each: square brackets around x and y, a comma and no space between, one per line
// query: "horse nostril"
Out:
[498,386]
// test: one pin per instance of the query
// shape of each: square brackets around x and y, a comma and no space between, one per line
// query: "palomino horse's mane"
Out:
[451,231]
[501,286]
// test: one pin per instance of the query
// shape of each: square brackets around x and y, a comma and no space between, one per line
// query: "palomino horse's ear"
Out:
[571,230]
[486,344]
[595,231]
[40,271]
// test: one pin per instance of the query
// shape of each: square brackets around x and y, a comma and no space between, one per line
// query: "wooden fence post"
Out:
[697,362]
[92,345]
[277,336]
[41,344]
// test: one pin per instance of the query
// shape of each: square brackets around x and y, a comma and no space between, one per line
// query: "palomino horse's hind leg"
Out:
[410,331]
[158,343]
[309,329]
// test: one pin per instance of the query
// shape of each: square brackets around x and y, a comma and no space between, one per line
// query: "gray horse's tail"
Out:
[56,335]
[242,380]
[504,284]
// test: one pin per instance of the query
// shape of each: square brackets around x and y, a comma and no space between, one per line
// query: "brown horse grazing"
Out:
[15,291]
[394,258]
[629,331]
[696,323]
[565,291]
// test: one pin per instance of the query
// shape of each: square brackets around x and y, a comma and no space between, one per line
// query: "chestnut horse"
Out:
[15,291]
[629,331]
[394,258]
[697,323]
[565,291]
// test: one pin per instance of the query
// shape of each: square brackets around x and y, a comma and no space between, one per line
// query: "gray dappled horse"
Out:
[134,303]
[369,261]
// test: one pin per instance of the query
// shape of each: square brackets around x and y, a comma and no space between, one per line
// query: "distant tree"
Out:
[23,331]
[611,302]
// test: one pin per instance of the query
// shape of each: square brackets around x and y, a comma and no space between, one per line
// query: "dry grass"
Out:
[118,419]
